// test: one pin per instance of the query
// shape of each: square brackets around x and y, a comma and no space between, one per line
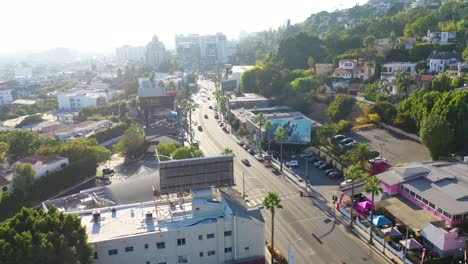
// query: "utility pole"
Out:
[243,185]
[307,174]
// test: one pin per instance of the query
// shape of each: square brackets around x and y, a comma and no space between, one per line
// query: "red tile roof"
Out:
[35,158]
[342,71]
[423,78]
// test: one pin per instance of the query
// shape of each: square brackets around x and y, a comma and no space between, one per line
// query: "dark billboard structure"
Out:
[197,173]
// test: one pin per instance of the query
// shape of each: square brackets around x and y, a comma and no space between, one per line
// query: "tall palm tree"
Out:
[403,81]
[228,151]
[187,108]
[354,173]
[268,127]
[224,100]
[370,54]
[260,119]
[372,186]
[360,154]
[281,135]
[272,202]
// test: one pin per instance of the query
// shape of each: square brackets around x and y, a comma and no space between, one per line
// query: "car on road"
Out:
[246,147]
[205,116]
[210,107]
[241,143]
[319,163]
[246,162]
[200,128]
[345,183]
[225,129]
[346,141]
[292,163]
[313,159]
[335,174]
[306,155]
[208,98]
[216,116]
[251,151]
[259,157]
[339,137]
[221,124]
[325,166]
[329,171]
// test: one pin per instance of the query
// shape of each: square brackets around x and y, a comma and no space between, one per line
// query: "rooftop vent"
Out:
[96,216]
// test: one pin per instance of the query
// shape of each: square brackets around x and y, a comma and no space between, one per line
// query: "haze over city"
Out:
[104,25]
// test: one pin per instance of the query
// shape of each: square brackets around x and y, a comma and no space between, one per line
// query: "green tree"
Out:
[260,120]
[305,84]
[242,132]
[311,62]
[372,186]
[228,151]
[325,132]
[340,108]
[272,201]
[187,152]
[132,145]
[354,174]
[21,143]
[281,135]
[167,149]
[465,54]
[77,150]
[360,154]
[29,120]
[268,127]
[36,236]
[403,82]
[343,127]
[23,179]
[385,110]
[122,110]
[442,83]
[438,136]
[187,107]
[3,153]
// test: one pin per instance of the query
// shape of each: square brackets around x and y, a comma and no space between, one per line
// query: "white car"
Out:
[345,183]
[292,163]
[259,157]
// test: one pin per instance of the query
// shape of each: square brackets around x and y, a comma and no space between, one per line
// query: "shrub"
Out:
[344,126]
[374,118]
[340,108]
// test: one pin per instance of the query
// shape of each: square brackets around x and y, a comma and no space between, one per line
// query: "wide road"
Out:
[324,240]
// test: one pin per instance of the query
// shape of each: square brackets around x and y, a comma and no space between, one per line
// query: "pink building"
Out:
[440,188]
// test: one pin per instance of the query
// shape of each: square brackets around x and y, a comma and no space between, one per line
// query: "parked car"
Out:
[313,159]
[251,151]
[319,163]
[325,166]
[216,116]
[292,163]
[350,144]
[345,183]
[210,107]
[339,137]
[205,116]
[241,143]
[346,140]
[329,171]
[200,128]
[246,162]
[335,174]
[221,124]
[306,155]
[246,147]
[259,157]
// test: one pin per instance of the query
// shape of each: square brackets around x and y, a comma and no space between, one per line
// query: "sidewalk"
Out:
[327,206]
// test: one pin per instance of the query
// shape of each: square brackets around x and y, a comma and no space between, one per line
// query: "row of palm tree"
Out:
[186,108]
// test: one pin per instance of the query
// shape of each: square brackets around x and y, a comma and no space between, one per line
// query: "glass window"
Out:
[146,246]
[246,248]
[113,252]
[160,245]
[180,242]
[447,215]
[200,237]
[96,255]
[128,249]
[227,233]
[211,253]
[201,254]
[228,250]
[425,201]
[210,236]
[412,193]
[418,197]
[182,259]
[432,205]
[440,211]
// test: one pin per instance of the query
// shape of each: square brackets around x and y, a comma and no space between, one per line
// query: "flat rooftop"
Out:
[286,115]
[248,97]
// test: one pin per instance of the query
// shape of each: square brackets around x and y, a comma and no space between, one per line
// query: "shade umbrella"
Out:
[391,231]
[380,220]
[410,243]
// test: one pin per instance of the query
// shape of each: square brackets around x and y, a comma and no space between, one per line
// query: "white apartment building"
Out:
[392,68]
[442,61]
[202,230]
[44,165]
[6,96]
[75,100]
[130,54]
[440,37]
[155,53]
[231,80]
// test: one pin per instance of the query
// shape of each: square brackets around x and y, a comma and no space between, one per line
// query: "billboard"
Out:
[298,130]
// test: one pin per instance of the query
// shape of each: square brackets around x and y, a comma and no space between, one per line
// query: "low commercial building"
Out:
[232,78]
[153,98]
[248,101]
[44,165]
[81,130]
[74,101]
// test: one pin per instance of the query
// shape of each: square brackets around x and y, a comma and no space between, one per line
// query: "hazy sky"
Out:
[102,25]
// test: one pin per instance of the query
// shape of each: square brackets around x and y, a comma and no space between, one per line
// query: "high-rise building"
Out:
[209,49]
[155,53]
[130,54]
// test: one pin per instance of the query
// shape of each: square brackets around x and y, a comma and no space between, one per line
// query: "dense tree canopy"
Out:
[132,145]
[340,108]
[34,236]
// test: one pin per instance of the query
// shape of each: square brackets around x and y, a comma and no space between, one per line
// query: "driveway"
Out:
[395,150]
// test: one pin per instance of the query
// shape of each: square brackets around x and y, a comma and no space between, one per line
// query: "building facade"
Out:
[202,230]
[128,53]
[442,61]
[74,101]
[232,78]
[44,165]
[6,96]
[155,53]
[209,49]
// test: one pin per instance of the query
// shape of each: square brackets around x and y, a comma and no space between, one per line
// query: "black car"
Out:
[334,175]
[325,166]
[210,107]
[205,116]
[241,143]
[246,162]
[339,137]
[346,141]
[329,171]
[251,151]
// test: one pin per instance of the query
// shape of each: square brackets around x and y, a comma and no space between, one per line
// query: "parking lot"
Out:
[393,149]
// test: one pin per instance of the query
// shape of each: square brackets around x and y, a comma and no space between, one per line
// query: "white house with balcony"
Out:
[440,37]
[44,165]
[441,61]
[391,69]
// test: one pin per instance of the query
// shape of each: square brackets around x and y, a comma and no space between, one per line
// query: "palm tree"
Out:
[272,202]
[260,119]
[228,151]
[403,81]
[354,173]
[369,56]
[223,104]
[187,107]
[360,154]
[372,186]
[268,127]
[281,135]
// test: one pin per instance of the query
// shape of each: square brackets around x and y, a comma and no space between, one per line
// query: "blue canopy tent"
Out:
[380,220]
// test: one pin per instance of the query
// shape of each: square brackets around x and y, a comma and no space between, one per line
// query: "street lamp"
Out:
[291,253]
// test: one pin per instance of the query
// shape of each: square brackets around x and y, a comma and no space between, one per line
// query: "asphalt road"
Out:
[324,240]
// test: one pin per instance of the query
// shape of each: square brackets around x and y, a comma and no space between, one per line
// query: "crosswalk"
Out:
[256,201]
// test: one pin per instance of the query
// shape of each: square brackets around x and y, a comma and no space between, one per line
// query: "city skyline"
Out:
[105,25]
